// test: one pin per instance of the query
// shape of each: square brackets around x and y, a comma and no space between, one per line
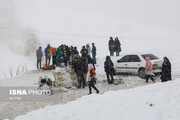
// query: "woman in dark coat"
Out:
[111,46]
[109,69]
[117,46]
[166,70]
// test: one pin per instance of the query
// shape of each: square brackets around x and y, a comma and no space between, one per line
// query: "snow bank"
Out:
[158,101]
[49,23]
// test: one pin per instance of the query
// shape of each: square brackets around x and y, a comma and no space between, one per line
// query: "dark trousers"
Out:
[91,84]
[48,59]
[117,53]
[54,60]
[111,53]
[80,79]
[111,75]
[149,76]
[94,57]
[38,63]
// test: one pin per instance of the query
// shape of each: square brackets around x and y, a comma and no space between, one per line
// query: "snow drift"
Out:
[153,102]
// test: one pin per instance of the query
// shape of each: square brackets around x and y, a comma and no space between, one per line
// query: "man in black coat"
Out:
[166,70]
[78,68]
[109,69]
[111,46]
[117,46]
[84,52]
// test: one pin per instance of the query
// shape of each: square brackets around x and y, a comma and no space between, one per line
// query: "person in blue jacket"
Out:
[48,54]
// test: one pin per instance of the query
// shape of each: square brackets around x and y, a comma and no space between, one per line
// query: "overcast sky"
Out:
[162,13]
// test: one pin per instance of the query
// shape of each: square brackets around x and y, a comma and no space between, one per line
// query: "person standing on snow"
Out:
[91,78]
[109,69]
[88,49]
[54,51]
[117,46]
[94,52]
[84,67]
[84,52]
[48,54]
[148,69]
[166,70]
[59,57]
[111,46]
[77,67]
[39,55]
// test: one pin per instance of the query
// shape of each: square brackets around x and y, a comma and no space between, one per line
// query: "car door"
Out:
[122,64]
[134,65]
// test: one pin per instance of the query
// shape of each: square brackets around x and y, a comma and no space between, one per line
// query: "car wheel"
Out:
[142,73]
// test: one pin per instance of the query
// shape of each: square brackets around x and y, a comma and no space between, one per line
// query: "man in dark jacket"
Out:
[39,55]
[117,46]
[77,66]
[94,52]
[111,46]
[166,70]
[84,52]
[109,69]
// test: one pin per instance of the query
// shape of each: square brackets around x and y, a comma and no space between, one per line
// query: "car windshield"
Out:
[152,57]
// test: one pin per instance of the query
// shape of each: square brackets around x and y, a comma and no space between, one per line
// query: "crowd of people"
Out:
[81,62]
[84,66]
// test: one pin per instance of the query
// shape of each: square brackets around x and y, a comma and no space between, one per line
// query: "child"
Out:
[91,78]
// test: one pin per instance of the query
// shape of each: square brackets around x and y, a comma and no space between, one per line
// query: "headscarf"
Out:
[148,64]
[90,67]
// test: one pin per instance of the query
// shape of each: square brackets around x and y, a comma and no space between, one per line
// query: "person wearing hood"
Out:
[88,49]
[78,68]
[117,46]
[53,52]
[109,69]
[39,55]
[91,78]
[111,46]
[84,52]
[148,69]
[59,58]
[166,70]
[48,54]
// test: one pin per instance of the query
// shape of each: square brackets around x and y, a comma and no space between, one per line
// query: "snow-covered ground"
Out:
[25,25]
[158,101]
[28,28]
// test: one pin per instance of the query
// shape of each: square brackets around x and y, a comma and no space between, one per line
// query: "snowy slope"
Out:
[50,22]
[158,101]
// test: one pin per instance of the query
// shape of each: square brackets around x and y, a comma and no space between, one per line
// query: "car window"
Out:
[152,57]
[127,58]
[135,58]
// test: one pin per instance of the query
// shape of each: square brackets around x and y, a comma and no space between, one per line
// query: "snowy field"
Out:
[26,25]
[158,101]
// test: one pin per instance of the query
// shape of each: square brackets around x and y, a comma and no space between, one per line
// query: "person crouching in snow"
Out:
[91,78]
[148,71]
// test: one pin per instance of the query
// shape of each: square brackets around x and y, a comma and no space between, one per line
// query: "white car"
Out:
[135,64]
